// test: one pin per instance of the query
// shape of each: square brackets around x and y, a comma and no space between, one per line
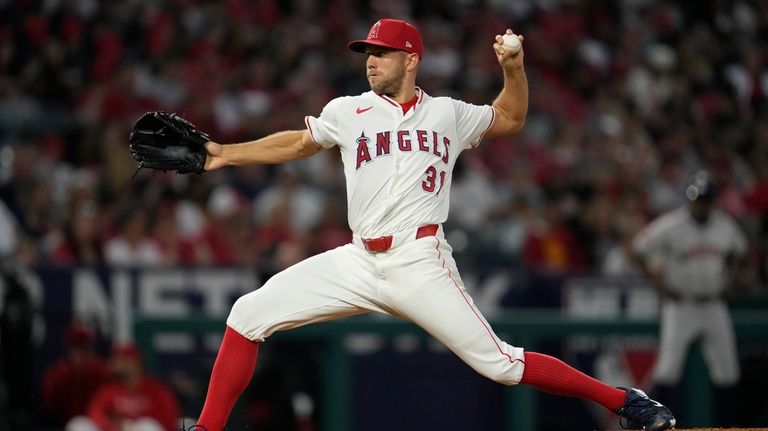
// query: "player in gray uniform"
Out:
[692,256]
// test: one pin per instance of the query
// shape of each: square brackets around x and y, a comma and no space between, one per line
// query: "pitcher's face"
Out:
[385,69]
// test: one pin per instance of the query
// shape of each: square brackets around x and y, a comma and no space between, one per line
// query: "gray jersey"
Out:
[694,255]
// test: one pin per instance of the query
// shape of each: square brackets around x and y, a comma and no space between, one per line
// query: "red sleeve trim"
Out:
[311,134]
[493,118]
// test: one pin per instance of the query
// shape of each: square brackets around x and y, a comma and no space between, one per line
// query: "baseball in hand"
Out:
[511,43]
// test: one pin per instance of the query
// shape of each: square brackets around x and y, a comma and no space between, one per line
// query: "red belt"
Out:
[383,243]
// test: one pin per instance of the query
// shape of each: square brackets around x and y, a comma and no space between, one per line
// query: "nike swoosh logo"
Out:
[360,111]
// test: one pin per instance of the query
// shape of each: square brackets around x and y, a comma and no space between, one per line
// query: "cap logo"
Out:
[374,33]
[408,44]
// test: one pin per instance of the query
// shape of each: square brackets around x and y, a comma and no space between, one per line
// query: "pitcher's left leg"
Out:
[425,287]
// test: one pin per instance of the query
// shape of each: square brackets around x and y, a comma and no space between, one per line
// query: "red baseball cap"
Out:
[391,33]
[129,351]
[79,335]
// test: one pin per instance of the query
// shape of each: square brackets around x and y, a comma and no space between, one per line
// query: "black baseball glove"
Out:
[167,142]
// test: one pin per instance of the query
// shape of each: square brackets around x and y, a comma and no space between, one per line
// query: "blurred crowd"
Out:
[627,100]
[82,391]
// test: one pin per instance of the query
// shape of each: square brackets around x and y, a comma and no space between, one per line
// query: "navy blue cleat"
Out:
[645,412]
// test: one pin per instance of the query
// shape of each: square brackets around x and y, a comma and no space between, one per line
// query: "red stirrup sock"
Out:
[231,374]
[554,376]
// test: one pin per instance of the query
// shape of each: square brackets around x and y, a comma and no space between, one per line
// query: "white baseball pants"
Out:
[416,279]
[682,323]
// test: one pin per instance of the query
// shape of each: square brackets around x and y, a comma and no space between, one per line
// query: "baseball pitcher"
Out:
[398,145]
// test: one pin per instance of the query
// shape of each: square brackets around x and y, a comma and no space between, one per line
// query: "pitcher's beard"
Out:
[390,87]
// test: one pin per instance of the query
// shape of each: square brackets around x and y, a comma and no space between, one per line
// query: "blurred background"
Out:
[627,100]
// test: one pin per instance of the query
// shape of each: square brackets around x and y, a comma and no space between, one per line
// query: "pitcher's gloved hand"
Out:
[167,142]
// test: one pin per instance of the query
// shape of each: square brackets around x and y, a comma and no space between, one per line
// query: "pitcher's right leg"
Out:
[328,286]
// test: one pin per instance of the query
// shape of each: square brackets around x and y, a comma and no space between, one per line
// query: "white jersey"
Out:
[398,166]
[398,171]
[694,255]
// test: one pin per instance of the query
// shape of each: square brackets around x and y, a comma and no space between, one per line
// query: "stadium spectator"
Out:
[132,246]
[332,231]
[70,383]
[551,245]
[667,190]
[133,401]
[80,244]
[175,248]
[305,202]
[225,240]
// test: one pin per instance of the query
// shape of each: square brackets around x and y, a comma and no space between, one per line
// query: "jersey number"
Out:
[429,183]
